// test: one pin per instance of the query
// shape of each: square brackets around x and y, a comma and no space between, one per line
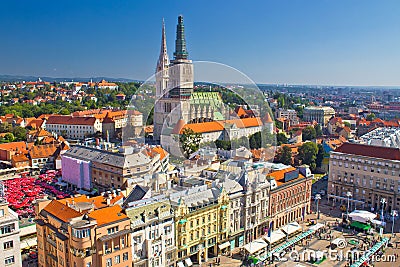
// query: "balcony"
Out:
[51,241]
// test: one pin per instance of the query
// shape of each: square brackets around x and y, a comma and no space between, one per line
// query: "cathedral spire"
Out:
[180,42]
[163,60]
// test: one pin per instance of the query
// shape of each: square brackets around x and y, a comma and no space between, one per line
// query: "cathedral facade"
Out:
[175,96]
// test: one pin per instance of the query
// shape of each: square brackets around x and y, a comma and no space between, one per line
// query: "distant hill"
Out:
[17,78]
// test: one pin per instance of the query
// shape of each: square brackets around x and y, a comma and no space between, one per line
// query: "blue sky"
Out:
[338,42]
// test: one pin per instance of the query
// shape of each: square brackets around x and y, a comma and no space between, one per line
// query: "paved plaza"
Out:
[355,244]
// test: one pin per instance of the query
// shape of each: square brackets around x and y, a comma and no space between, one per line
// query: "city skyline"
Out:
[320,43]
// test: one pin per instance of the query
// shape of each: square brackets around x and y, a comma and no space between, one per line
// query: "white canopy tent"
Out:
[255,246]
[188,262]
[275,236]
[291,228]
[362,216]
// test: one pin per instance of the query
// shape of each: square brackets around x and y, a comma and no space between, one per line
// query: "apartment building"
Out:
[288,114]
[319,114]
[153,230]
[83,232]
[10,248]
[369,173]
[86,167]
[201,223]
[290,195]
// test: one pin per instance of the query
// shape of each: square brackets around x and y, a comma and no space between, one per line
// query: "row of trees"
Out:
[309,153]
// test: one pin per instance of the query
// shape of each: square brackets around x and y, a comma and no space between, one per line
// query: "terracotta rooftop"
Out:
[14,146]
[71,120]
[161,151]
[43,151]
[61,211]
[370,151]
[279,175]
[108,215]
[99,201]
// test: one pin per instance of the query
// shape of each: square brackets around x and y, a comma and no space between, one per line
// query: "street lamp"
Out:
[317,199]
[287,228]
[348,203]
[383,201]
[394,214]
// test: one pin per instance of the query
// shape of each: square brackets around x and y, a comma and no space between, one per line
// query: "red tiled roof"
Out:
[43,151]
[71,120]
[61,211]
[108,215]
[370,151]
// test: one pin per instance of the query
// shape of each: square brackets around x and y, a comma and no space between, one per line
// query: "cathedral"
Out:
[175,97]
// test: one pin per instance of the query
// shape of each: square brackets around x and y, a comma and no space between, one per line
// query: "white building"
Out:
[73,127]
[319,114]
[10,248]
[387,137]
[153,231]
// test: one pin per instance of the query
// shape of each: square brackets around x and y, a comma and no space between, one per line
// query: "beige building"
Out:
[83,232]
[369,173]
[153,229]
[319,114]
[10,248]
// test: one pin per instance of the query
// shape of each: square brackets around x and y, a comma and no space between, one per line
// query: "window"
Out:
[82,233]
[9,260]
[8,245]
[109,262]
[125,256]
[112,230]
[7,229]
[117,259]
[1,212]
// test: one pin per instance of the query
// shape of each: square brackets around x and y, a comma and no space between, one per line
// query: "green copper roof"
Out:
[206,98]
[180,42]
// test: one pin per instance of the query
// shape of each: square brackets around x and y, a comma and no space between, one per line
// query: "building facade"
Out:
[73,127]
[86,167]
[10,248]
[153,232]
[201,223]
[175,98]
[290,196]
[319,114]
[369,173]
[83,231]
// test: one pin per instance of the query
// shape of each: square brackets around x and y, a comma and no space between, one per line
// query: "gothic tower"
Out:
[174,83]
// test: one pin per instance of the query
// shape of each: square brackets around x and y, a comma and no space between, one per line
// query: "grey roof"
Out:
[136,194]
[138,158]
[196,198]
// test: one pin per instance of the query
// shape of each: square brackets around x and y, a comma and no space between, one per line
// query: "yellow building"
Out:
[201,224]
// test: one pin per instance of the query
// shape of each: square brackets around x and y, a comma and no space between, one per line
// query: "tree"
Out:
[318,130]
[346,123]
[285,155]
[19,133]
[222,144]
[320,155]
[281,139]
[371,117]
[308,154]
[309,133]
[190,141]
[9,137]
